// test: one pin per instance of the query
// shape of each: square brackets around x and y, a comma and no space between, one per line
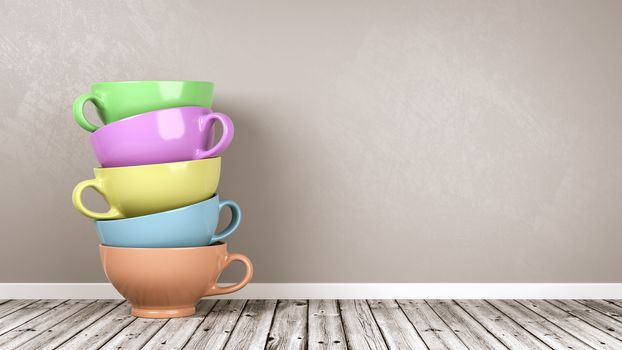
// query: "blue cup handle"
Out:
[236,217]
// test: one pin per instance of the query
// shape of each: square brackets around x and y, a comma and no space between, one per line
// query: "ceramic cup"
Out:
[117,100]
[162,136]
[146,189]
[168,282]
[189,226]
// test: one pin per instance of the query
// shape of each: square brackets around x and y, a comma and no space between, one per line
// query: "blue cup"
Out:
[188,226]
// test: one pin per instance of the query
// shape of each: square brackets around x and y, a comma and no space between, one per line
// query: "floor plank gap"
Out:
[359,325]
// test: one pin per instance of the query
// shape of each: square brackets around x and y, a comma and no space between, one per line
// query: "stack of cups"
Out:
[160,168]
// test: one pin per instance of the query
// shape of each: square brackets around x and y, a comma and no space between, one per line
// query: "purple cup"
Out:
[162,136]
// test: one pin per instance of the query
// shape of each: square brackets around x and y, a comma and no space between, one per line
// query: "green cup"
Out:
[118,100]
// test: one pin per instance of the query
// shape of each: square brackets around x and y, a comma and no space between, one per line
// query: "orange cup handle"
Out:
[215,290]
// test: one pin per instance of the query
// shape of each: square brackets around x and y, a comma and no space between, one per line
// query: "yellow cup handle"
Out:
[113,213]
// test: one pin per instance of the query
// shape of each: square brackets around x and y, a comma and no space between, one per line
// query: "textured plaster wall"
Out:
[376,141]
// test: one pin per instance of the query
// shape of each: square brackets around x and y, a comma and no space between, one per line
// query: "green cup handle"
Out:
[78,111]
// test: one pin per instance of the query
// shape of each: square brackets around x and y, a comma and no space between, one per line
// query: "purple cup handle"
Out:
[225,139]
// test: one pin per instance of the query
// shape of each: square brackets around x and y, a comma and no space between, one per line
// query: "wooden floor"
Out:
[317,324]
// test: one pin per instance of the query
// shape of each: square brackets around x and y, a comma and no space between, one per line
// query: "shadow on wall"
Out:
[251,171]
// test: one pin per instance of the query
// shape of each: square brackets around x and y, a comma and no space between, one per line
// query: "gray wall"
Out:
[386,141]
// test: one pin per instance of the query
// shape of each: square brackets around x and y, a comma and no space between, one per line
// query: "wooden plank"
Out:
[615,301]
[603,306]
[396,329]
[102,330]
[136,334]
[435,333]
[510,333]
[13,305]
[325,328]
[289,325]
[472,334]
[73,324]
[251,331]
[548,332]
[216,328]
[27,313]
[596,319]
[38,325]
[592,336]
[359,325]
[176,332]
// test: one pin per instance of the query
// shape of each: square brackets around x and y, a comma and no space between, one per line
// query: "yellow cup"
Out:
[146,189]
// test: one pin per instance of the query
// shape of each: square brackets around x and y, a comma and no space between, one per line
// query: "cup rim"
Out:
[100,168]
[216,245]
[106,126]
[215,196]
[152,81]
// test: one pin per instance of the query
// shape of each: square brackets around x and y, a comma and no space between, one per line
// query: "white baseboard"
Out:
[343,291]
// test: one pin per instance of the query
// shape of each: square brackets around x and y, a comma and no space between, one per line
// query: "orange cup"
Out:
[168,282]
